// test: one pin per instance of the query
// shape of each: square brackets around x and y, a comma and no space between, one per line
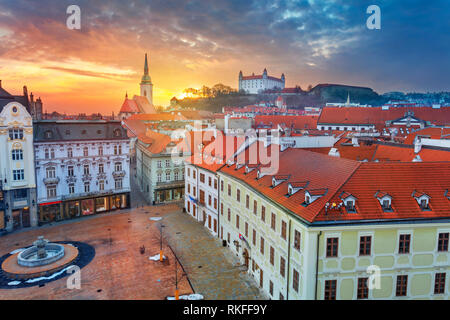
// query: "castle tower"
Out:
[146,84]
[240,80]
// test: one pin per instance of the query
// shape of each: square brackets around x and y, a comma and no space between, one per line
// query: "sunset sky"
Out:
[191,43]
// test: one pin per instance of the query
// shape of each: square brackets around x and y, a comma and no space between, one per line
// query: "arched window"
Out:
[51,172]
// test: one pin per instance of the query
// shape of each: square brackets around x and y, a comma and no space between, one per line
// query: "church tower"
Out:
[146,84]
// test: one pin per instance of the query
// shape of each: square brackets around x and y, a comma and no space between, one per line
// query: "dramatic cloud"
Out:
[191,43]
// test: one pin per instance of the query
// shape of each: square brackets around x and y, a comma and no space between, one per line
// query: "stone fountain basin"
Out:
[29,258]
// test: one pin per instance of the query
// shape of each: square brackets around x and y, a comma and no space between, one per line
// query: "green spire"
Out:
[146,78]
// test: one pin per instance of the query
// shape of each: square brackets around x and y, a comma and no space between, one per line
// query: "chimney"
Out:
[25,91]
[31,97]
[417,145]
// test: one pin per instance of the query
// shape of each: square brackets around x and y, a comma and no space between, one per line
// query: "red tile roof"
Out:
[296,122]
[156,117]
[399,180]
[378,117]
[331,178]
[431,132]
[129,106]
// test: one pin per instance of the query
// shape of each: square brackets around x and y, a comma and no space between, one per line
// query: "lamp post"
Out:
[177,294]
[161,243]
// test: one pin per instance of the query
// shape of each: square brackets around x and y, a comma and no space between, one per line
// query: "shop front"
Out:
[172,194]
[74,208]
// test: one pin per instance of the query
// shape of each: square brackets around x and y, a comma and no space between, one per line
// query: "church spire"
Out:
[146,77]
[146,66]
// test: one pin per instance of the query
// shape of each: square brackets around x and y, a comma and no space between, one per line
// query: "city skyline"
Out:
[202,43]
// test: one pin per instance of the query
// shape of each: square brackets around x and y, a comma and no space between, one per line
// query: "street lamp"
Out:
[161,243]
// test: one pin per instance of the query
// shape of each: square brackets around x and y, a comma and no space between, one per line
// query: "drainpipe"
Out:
[317,263]
[288,259]
[218,206]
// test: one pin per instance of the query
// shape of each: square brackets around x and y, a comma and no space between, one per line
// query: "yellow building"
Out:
[327,228]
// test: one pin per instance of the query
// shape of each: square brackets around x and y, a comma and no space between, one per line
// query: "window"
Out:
[246,230]
[87,187]
[159,165]
[332,247]
[167,163]
[402,286]
[118,166]
[100,151]
[238,195]
[272,255]
[221,209]
[86,169]
[295,280]
[189,172]
[350,206]
[215,203]
[69,153]
[273,221]
[209,181]
[247,201]
[51,191]
[202,197]
[52,153]
[283,229]
[101,185]
[261,248]
[70,171]
[330,290]
[159,178]
[15,134]
[443,242]
[364,245]
[297,236]
[202,177]
[176,176]
[263,213]
[118,183]
[50,172]
[18,175]
[85,152]
[363,289]
[194,191]
[215,184]
[254,237]
[229,214]
[255,207]
[17,154]
[194,174]
[46,154]
[101,168]
[439,283]
[209,200]
[282,267]
[221,186]
[71,188]
[404,243]
[168,176]
[229,190]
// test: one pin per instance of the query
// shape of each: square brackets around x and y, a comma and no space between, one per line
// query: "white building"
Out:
[82,168]
[17,179]
[257,83]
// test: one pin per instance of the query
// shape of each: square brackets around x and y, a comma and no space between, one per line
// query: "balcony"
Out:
[118,174]
[54,180]
[86,177]
[71,179]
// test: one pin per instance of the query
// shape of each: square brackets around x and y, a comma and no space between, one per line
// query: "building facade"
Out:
[18,208]
[334,233]
[258,83]
[82,168]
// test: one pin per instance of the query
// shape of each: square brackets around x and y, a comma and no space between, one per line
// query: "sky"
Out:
[195,43]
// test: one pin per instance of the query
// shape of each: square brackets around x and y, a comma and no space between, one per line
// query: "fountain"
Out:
[41,253]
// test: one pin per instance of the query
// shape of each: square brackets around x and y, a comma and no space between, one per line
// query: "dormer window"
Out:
[249,168]
[423,200]
[278,179]
[349,201]
[314,194]
[385,201]
[294,187]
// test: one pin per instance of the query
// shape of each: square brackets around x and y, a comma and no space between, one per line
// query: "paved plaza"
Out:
[120,271]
